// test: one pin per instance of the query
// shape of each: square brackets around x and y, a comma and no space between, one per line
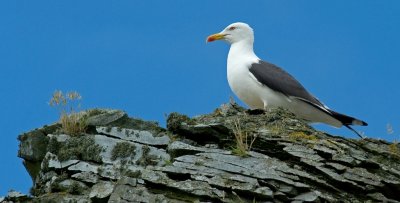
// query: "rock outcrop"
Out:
[121,159]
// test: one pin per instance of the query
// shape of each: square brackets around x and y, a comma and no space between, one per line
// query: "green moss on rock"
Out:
[81,148]
[147,158]
[175,120]
[133,174]
[67,185]
[123,150]
[53,145]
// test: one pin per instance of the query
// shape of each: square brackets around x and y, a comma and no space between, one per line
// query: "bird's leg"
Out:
[265,105]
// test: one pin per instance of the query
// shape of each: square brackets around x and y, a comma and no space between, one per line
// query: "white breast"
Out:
[243,83]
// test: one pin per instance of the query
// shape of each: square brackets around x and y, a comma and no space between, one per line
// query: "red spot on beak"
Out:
[210,39]
[214,37]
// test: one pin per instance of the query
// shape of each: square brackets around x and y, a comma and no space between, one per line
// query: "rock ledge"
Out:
[121,159]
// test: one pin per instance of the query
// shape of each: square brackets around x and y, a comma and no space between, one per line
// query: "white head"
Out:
[235,32]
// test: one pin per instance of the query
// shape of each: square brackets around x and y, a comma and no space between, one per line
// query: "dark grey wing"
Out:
[279,80]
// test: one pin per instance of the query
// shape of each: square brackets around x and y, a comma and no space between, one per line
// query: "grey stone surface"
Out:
[86,176]
[307,197]
[130,160]
[179,147]
[139,136]
[104,117]
[33,145]
[127,181]
[59,137]
[70,186]
[83,166]
[15,194]
[126,193]
[53,162]
[63,197]
[101,190]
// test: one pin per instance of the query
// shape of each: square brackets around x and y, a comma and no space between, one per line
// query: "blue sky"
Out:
[149,58]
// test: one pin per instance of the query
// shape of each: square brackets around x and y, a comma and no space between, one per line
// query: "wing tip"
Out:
[347,120]
[359,122]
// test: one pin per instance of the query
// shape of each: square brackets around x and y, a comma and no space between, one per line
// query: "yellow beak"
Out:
[214,37]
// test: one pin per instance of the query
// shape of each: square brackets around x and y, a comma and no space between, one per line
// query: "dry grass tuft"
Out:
[393,148]
[72,121]
[302,136]
[309,140]
[242,140]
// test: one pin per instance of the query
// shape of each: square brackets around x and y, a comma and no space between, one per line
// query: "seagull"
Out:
[260,84]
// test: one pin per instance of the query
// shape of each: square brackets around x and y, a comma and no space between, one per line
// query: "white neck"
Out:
[241,51]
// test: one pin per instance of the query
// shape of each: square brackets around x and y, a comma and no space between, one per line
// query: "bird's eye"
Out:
[232,28]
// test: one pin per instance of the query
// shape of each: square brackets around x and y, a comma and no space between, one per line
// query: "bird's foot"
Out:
[255,111]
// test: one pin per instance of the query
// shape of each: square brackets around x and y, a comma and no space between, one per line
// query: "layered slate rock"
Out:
[121,159]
